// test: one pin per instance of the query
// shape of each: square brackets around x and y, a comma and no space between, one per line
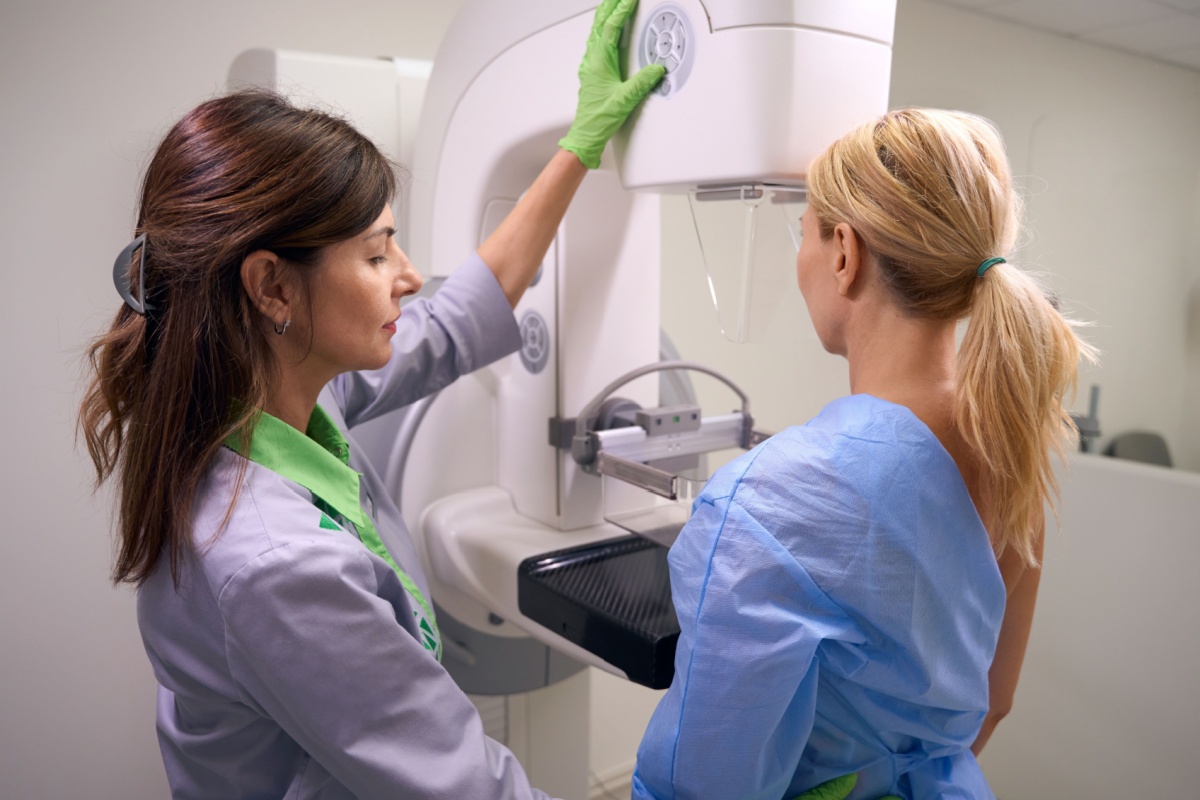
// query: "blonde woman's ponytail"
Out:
[1017,363]
[930,194]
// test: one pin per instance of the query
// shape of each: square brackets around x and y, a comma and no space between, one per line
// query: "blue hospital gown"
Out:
[839,604]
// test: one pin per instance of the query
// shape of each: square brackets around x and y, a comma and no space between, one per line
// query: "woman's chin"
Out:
[384,357]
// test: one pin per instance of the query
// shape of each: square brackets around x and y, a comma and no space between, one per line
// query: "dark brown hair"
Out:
[239,173]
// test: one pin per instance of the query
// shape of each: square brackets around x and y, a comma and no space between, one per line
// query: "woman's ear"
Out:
[265,281]
[850,254]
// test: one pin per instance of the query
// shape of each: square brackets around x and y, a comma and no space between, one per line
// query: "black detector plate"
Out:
[612,598]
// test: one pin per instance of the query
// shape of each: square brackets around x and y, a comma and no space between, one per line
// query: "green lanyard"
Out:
[320,462]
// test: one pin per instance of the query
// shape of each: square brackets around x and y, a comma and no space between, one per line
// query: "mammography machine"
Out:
[753,92]
[522,482]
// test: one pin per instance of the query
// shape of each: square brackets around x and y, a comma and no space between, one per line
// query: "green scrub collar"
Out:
[318,460]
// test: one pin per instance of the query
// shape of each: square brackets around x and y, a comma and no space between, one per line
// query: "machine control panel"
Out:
[535,342]
[667,39]
[669,419]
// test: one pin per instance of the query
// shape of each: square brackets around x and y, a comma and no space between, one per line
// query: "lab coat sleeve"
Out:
[312,647]
[467,324]
[741,706]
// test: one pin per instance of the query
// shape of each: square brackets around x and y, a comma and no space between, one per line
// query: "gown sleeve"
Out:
[467,324]
[311,645]
[740,709]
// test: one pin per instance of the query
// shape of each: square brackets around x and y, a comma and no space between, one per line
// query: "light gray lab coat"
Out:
[287,660]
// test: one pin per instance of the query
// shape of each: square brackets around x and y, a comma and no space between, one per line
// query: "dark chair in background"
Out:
[1140,446]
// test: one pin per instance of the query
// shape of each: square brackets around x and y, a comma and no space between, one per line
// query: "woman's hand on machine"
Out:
[605,100]
[516,249]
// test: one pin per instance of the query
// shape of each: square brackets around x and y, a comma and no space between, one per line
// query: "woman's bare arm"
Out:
[1021,584]
[516,248]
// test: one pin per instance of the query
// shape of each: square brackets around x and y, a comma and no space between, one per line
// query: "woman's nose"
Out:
[409,281]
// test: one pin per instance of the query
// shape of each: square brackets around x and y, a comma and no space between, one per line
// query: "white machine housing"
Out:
[766,86]
[770,84]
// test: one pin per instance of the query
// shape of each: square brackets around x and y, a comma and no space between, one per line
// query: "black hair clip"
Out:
[121,276]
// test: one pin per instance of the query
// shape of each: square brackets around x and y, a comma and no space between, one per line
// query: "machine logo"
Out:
[535,342]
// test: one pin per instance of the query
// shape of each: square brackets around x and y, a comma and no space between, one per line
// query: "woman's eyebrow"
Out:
[384,230]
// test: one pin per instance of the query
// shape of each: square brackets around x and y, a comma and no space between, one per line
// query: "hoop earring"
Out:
[282,329]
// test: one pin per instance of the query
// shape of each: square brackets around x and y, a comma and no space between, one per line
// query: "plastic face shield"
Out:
[749,236]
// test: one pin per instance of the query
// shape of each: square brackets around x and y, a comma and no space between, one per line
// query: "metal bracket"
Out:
[644,476]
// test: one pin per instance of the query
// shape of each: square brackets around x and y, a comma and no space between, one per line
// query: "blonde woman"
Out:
[855,595]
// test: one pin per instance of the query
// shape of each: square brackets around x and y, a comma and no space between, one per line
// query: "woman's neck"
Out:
[906,361]
[293,398]
[911,363]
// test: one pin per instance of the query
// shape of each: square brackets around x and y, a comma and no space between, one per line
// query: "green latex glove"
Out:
[836,789]
[606,101]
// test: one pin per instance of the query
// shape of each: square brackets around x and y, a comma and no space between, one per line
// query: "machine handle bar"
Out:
[585,445]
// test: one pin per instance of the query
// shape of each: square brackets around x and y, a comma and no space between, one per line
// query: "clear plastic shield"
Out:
[749,236]
[649,516]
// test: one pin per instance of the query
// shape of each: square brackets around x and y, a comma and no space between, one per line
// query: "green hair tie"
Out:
[991,262]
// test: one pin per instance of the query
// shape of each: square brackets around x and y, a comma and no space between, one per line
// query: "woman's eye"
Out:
[379,260]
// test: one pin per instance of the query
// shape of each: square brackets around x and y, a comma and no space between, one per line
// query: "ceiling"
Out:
[1164,30]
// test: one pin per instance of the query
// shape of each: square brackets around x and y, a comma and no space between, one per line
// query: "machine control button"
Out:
[535,342]
[666,44]
[667,39]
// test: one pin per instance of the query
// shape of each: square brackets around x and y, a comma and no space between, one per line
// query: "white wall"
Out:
[86,90]
[1107,705]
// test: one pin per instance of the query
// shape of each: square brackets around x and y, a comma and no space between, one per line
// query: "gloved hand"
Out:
[605,101]
[836,789]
